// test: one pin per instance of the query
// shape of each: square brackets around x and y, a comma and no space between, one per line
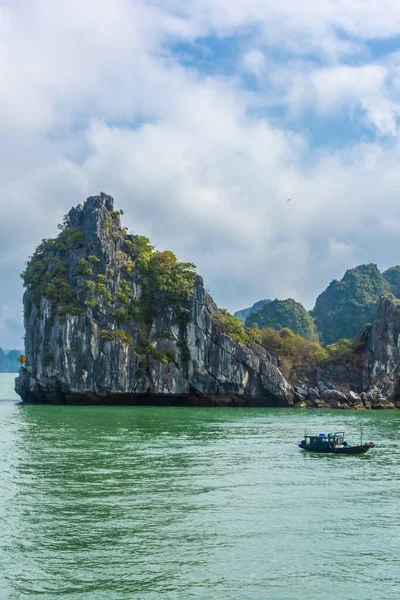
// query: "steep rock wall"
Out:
[370,378]
[382,369]
[82,353]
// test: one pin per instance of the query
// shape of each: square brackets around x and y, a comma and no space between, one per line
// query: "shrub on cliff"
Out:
[296,354]
[164,281]
[84,268]
[342,351]
[46,275]
[234,327]
[116,334]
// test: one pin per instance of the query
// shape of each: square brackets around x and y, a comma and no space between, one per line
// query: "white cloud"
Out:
[254,62]
[292,19]
[343,84]
[96,100]
[337,90]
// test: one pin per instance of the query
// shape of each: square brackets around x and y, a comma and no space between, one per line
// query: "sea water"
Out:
[188,503]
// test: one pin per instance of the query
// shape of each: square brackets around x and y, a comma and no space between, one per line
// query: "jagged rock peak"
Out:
[90,216]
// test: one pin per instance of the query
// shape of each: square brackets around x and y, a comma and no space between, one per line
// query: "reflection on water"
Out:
[182,503]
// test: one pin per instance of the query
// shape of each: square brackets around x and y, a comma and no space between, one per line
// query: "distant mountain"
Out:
[245,312]
[346,305]
[8,361]
[340,311]
[280,314]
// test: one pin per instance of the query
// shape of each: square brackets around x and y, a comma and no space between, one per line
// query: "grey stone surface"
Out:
[209,366]
[381,374]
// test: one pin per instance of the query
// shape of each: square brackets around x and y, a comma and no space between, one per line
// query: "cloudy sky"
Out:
[201,118]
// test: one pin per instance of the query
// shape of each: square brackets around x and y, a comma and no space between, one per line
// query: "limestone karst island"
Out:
[110,320]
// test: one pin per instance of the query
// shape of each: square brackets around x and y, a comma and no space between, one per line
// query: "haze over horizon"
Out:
[201,119]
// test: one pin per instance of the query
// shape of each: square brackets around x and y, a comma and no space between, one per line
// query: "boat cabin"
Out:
[333,443]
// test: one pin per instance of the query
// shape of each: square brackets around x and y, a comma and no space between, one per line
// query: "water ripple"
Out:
[150,503]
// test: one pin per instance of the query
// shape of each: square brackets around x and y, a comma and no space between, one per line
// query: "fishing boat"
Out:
[333,443]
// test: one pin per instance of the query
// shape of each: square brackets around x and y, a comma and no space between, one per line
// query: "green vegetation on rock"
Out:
[84,268]
[346,305]
[392,276]
[116,334]
[296,354]
[144,348]
[132,288]
[282,314]
[46,271]
[340,311]
[48,359]
[164,281]
[299,356]
[234,327]
[342,351]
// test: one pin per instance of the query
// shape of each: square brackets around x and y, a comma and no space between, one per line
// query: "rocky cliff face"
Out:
[382,371]
[370,377]
[108,320]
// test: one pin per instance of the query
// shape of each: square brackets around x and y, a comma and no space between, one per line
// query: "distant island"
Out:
[245,312]
[339,312]
[111,320]
[8,361]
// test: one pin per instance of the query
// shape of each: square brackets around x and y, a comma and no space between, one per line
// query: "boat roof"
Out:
[331,435]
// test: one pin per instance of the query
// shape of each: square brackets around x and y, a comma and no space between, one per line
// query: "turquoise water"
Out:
[186,503]
[7,386]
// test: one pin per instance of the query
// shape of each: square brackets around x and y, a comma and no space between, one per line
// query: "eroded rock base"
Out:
[151,400]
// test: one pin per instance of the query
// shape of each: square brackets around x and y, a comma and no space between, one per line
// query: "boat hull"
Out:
[353,450]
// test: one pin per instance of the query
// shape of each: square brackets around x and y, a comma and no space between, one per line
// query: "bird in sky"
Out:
[288,199]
